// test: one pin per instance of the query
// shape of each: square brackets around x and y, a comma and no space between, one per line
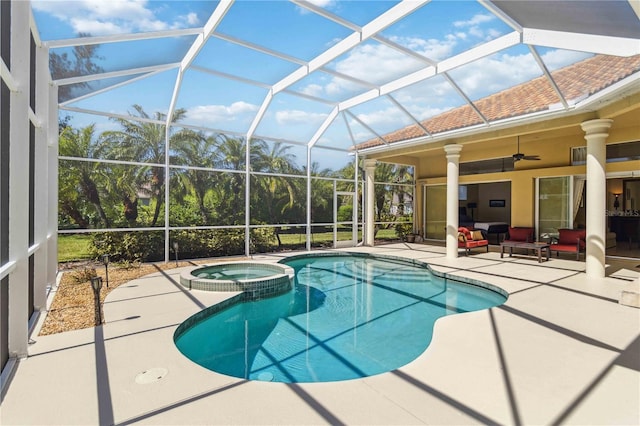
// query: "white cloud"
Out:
[152,25]
[104,17]
[388,63]
[292,117]
[430,91]
[383,117]
[115,9]
[476,20]
[364,135]
[313,90]
[325,4]
[95,27]
[191,19]
[555,59]
[477,32]
[495,73]
[322,3]
[385,61]
[220,113]
[431,48]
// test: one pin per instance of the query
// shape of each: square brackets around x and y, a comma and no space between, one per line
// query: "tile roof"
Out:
[574,81]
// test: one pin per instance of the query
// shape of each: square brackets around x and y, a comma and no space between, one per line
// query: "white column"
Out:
[19,181]
[41,178]
[52,184]
[369,202]
[596,132]
[308,227]
[453,157]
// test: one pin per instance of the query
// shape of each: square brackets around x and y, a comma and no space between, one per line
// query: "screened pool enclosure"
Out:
[199,129]
[158,129]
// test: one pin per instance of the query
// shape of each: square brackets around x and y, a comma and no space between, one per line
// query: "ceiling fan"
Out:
[520,156]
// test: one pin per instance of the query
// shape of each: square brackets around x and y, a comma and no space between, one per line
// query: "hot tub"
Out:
[255,280]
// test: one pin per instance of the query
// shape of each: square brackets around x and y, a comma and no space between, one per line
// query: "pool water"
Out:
[232,273]
[347,317]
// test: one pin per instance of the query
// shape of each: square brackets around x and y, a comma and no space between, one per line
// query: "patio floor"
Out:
[561,350]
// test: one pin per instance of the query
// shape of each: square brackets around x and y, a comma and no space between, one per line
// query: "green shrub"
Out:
[147,246]
[403,229]
[128,246]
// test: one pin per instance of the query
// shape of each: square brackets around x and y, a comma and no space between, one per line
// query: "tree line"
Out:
[114,194]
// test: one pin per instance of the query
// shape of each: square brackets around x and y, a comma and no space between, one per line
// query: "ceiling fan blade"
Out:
[520,156]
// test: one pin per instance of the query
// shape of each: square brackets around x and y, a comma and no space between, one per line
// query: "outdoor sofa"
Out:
[471,239]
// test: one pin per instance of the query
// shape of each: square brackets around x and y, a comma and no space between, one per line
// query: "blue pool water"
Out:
[347,317]
[227,272]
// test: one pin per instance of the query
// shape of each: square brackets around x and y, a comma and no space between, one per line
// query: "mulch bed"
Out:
[73,304]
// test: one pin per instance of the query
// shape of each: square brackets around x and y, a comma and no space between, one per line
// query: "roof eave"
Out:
[606,96]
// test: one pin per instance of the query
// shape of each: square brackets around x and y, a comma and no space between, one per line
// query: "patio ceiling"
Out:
[332,74]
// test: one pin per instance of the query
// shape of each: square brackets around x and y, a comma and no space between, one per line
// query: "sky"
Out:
[437,31]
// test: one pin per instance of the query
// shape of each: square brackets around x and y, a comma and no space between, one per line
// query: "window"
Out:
[495,165]
[625,151]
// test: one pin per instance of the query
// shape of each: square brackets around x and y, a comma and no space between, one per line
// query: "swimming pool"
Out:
[347,317]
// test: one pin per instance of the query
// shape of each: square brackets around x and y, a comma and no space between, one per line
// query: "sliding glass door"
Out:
[435,212]
[554,208]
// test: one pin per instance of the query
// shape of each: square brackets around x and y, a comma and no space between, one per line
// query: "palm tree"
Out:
[82,62]
[385,172]
[321,194]
[232,156]
[276,189]
[278,192]
[70,200]
[144,142]
[81,144]
[125,183]
[195,148]
[388,173]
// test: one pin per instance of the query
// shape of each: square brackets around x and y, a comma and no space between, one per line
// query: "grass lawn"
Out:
[327,237]
[73,247]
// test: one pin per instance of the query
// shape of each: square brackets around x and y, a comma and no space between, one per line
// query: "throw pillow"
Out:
[477,235]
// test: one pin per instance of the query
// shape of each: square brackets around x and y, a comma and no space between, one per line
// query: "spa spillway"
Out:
[255,280]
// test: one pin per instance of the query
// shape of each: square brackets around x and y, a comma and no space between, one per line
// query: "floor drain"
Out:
[151,375]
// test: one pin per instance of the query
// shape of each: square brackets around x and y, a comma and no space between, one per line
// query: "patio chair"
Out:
[471,239]
[569,241]
[519,234]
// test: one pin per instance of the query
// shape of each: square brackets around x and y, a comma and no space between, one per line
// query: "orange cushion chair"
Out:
[519,235]
[468,239]
[570,241]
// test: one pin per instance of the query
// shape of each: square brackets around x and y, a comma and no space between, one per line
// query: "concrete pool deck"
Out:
[561,350]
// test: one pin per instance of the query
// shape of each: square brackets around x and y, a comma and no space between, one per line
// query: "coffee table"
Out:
[537,246]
